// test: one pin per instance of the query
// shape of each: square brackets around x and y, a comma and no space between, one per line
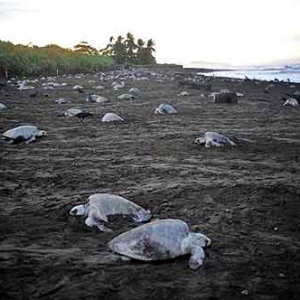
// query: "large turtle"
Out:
[162,239]
[213,139]
[27,133]
[100,206]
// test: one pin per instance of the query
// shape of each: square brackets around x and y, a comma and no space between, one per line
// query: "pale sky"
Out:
[238,32]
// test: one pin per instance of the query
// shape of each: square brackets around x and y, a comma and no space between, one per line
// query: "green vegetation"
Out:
[32,60]
[127,51]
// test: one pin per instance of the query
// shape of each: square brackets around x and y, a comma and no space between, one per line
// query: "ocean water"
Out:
[291,74]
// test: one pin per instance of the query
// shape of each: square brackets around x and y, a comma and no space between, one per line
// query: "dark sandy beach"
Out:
[245,198]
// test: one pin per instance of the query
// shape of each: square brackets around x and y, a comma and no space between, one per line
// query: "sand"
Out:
[246,198]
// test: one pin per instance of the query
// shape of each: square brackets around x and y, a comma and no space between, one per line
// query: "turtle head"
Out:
[195,243]
[200,141]
[42,133]
[78,210]
[199,239]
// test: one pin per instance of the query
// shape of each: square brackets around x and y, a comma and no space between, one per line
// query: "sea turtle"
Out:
[71,112]
[111,117]
[183,94]
[61,100]
[100,206]
[27,133]
[135,91]
[161,239]
[165,109]
[2,106]
[291,102]
[96,98]
[126,97]
[213,139]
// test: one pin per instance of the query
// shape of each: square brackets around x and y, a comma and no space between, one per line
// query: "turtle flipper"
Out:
[32,139]
[90,221]
[197,257]
[103,228]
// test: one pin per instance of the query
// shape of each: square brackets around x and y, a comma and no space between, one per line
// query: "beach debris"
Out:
[71,112]
[160,240]
[61,100]
[100,206]
[223,97]
[183,94]
[165,109]
[213,139]
[24,133]
[111,117]
[291,102]
[126,97]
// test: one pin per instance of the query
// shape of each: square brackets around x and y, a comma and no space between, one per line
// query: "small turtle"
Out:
[2,106]
[183,94]
[111,117]
[71,112]
[162,239]
[165,109]
[116,86]
[61,100]
[27,133]
[126,97]
[100,206]
[96,98]
[135,91]
[213,139]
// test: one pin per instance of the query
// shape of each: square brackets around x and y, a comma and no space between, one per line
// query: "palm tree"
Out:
[150,45]
[119,50]
[130,47]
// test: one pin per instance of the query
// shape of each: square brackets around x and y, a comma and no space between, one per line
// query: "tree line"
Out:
[26,60]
